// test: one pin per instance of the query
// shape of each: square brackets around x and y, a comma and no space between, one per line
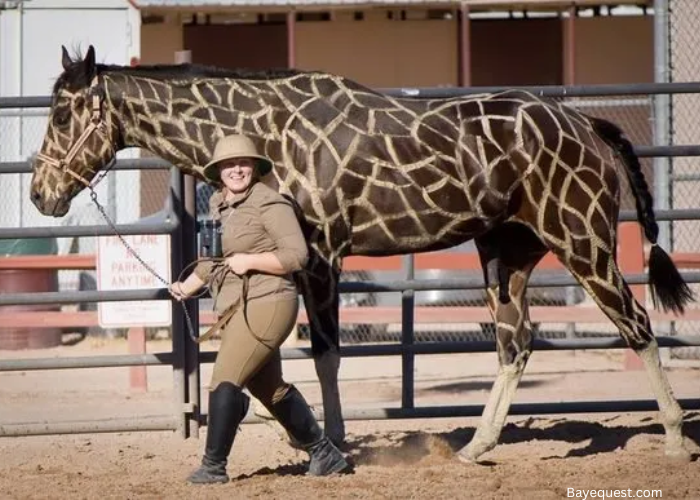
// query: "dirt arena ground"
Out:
[539,457]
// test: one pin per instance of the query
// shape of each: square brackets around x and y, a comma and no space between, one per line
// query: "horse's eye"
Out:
[61,117]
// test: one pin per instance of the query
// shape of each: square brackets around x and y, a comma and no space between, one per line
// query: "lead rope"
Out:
[188,320]
[129,248]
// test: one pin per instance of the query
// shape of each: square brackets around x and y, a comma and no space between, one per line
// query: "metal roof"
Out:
[209,4]
[278,3]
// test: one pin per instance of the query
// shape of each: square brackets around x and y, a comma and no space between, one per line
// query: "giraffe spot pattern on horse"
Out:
[376,175]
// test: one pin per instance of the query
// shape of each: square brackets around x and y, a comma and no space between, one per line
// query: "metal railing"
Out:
[185,374]
[185,356]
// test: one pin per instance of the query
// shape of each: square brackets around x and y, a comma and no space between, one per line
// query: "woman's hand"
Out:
[185,289]
[178,291]
[239,263]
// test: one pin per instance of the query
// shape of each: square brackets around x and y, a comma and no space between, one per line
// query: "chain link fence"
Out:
[684,39]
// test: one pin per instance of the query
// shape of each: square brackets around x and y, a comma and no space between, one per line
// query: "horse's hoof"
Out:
[467,456]
[465,460]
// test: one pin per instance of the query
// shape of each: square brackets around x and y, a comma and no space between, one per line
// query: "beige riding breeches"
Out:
[249,353]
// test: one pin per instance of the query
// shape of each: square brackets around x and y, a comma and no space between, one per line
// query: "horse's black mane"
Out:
[198,70]
[75,77]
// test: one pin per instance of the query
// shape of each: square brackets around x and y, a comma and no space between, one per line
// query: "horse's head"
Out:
[80,138]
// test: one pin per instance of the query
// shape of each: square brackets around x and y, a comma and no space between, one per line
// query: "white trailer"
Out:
[31,35]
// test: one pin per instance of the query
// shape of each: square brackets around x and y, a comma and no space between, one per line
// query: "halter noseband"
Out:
[96,123]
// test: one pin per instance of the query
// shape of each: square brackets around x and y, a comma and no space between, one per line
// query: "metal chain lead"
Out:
[129,248]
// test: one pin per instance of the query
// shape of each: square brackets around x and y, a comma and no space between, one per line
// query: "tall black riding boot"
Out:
[296,417]
[228,406]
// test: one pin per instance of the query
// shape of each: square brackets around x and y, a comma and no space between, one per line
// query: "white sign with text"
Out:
[118,269]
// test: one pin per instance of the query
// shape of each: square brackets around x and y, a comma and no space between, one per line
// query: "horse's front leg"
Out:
[319,288]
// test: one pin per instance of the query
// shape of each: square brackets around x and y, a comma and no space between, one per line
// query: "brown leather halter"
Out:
[96,124]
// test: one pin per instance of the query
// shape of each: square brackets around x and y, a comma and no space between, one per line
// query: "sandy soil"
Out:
[539,457]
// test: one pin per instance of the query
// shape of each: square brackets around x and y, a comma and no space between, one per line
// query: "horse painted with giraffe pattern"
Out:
[376,175]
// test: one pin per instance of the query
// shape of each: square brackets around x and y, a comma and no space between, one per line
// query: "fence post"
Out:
[662,129]
[178,325]
[138,375]
[408,357]
[188,248]
[631,261]
[189,254]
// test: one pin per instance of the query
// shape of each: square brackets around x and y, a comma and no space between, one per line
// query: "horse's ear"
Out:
[89,62]
[65,59]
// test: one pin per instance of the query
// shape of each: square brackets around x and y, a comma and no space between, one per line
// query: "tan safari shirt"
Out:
[256,221]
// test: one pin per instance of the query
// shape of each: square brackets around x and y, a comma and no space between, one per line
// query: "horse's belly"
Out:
[415,231]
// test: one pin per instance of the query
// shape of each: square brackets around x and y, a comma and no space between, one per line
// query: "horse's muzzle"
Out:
[54,207]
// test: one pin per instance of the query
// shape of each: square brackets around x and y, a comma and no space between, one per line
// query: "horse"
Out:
[376,175]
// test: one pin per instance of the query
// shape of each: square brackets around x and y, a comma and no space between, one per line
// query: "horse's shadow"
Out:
[410,447]
[402,448]
[473,386]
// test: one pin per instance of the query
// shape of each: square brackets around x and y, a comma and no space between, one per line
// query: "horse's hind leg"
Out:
[506,274]
[671,412]
[319,287]
[591,261]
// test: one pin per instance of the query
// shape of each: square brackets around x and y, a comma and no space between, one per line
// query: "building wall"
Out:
[376,51]
[160,41]
[253,46]
[614,50]
[516,52]
[380,52]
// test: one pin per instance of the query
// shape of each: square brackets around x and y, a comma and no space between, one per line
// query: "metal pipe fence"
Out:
[561,91]
[172,226]
[351,351]
[25,167]
[143,424]
[185,357]
[164,423]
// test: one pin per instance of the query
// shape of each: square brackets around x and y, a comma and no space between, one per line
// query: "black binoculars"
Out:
[210,239]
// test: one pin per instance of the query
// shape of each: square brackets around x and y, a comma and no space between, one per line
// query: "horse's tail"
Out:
[668,288]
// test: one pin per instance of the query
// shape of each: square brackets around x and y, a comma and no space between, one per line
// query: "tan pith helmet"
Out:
[235,146]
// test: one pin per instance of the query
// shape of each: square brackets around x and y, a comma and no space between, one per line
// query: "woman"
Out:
[261,239]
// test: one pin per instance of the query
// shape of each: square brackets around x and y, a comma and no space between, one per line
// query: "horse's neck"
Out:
[181,123]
